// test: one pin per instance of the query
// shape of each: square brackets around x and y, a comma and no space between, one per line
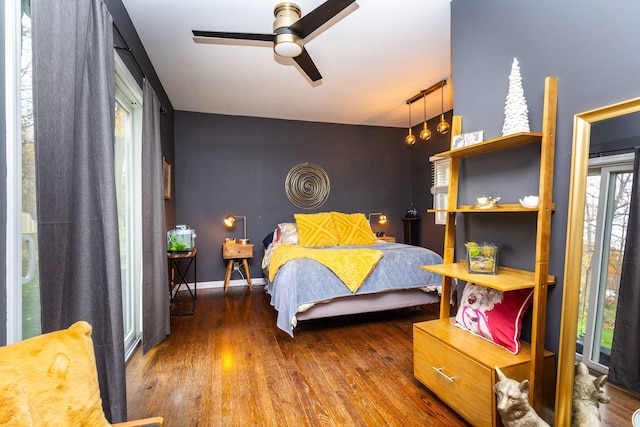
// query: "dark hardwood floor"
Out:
[229,365]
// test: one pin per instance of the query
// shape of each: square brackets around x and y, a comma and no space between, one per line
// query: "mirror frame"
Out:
[573,256]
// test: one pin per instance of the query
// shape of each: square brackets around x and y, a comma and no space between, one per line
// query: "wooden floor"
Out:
[229,365]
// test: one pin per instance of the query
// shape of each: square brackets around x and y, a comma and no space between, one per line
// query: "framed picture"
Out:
[466,139]
[166,178]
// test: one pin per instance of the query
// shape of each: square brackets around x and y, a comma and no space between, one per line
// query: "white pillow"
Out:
[289,233]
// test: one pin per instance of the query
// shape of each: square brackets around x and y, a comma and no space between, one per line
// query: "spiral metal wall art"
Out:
[307,186]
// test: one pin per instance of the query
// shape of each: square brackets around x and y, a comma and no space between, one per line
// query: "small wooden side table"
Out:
[178,277]
[234,252]
[390,239]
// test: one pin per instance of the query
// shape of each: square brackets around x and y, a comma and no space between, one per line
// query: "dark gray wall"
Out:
[590,46]
[237,165]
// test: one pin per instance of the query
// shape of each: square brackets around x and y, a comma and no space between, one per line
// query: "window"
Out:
[128,152]
[605,228]
[30,278]
[23,284]
[440,188]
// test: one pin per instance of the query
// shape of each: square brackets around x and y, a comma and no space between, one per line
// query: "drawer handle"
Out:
[439,370]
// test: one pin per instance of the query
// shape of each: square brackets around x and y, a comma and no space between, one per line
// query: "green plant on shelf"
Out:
[174,245]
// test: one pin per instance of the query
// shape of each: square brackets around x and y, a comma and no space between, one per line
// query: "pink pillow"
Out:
[494,315]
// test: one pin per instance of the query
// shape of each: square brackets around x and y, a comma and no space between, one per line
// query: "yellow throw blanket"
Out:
[352,266]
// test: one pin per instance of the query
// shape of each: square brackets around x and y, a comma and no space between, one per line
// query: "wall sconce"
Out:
[425,133]
[410,140]
[443,126]
[230,222]
[382,218]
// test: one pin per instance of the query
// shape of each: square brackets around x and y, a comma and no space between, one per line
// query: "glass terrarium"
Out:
[482,258]
[181,239]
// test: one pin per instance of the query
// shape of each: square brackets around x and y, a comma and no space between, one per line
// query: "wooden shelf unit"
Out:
[500,209]
[442,330]
[507,279]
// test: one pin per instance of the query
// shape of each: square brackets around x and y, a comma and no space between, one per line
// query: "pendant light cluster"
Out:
[425,133]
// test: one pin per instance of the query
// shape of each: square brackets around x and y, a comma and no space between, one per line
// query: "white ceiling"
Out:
[373,56]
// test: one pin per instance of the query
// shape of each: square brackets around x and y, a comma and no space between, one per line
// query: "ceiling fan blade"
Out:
[318,16]
[306,63]
[239,36]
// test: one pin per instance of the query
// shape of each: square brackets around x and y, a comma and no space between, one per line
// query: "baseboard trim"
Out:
[215,284]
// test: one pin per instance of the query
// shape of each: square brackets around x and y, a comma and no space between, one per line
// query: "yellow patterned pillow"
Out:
[316,229]
[353,229]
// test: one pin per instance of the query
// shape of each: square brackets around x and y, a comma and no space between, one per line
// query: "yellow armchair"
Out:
[52,379]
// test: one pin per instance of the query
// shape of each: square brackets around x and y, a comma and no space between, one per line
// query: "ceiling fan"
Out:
[289,31]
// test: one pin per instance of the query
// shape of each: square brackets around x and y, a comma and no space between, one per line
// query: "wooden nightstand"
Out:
[234,252]
[389,239]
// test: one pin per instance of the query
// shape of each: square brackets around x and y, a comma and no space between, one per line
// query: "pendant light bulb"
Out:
[443,126]
[410,140]
[425,133]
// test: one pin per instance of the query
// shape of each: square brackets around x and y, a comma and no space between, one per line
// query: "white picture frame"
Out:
[466,139]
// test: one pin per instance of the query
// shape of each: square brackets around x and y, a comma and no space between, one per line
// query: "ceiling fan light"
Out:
[288,45]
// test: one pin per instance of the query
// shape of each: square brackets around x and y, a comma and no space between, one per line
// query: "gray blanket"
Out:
[304,281]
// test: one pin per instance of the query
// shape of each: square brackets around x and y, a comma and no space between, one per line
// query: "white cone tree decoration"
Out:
[516,112]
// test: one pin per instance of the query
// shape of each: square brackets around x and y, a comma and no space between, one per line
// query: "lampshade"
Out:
[382,218]
[230,221]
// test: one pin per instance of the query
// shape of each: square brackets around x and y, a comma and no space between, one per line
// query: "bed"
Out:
[306,286]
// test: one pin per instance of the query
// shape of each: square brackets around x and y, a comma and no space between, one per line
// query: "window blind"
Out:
[440,186]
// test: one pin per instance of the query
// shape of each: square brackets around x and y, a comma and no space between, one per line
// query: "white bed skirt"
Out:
[369,303]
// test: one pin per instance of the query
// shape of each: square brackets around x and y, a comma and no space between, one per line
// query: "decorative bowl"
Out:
[486,202]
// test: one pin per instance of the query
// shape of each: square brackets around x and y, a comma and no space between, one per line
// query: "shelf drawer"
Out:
[468,390]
